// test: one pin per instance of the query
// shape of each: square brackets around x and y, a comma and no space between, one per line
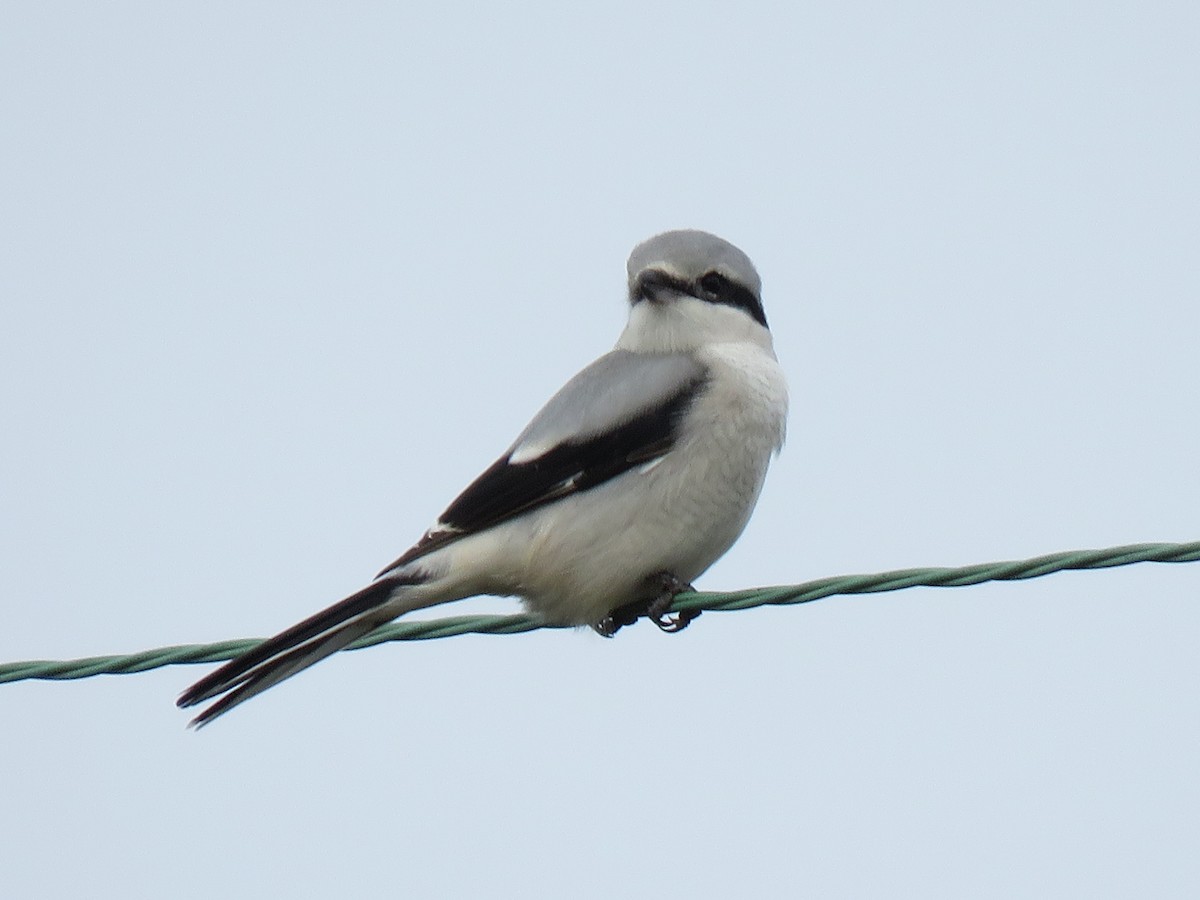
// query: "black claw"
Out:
[682,620]
[606,627]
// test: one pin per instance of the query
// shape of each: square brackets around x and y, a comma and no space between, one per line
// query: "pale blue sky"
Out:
[279,280]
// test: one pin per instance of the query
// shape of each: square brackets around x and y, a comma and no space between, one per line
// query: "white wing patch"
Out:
[646,467]
[524,453]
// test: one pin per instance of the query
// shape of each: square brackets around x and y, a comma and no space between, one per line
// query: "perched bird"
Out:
[631,481]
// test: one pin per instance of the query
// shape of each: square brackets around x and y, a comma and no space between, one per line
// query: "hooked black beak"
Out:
[657,286]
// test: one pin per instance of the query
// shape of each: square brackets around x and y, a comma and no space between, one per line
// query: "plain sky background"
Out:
[279,279]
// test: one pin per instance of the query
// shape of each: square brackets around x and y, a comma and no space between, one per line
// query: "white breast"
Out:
[593,551]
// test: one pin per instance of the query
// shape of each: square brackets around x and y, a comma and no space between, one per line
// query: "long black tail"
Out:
[291,651]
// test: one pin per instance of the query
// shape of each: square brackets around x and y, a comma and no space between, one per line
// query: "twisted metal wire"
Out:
[1014,570]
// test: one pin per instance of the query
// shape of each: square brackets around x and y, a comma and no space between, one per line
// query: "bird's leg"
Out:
[656,610]
[670,587]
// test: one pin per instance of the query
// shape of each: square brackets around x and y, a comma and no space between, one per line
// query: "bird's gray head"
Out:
[695,264]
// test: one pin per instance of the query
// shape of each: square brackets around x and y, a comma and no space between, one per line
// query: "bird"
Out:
[631,481]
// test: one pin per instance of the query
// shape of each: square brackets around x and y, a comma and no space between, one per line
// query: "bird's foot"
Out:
[656,610]
[669,588]
[620,617]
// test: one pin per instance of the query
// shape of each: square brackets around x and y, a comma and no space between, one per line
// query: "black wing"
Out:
[637,433]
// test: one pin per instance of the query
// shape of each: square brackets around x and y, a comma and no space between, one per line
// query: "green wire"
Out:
[714,602]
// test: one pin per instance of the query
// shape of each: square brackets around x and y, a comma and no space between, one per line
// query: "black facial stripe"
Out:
[733,294]
[730,294]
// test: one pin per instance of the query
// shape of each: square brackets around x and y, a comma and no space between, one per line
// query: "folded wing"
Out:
[620,412]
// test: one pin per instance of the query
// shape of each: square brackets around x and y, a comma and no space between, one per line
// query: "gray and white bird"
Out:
[631,481]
